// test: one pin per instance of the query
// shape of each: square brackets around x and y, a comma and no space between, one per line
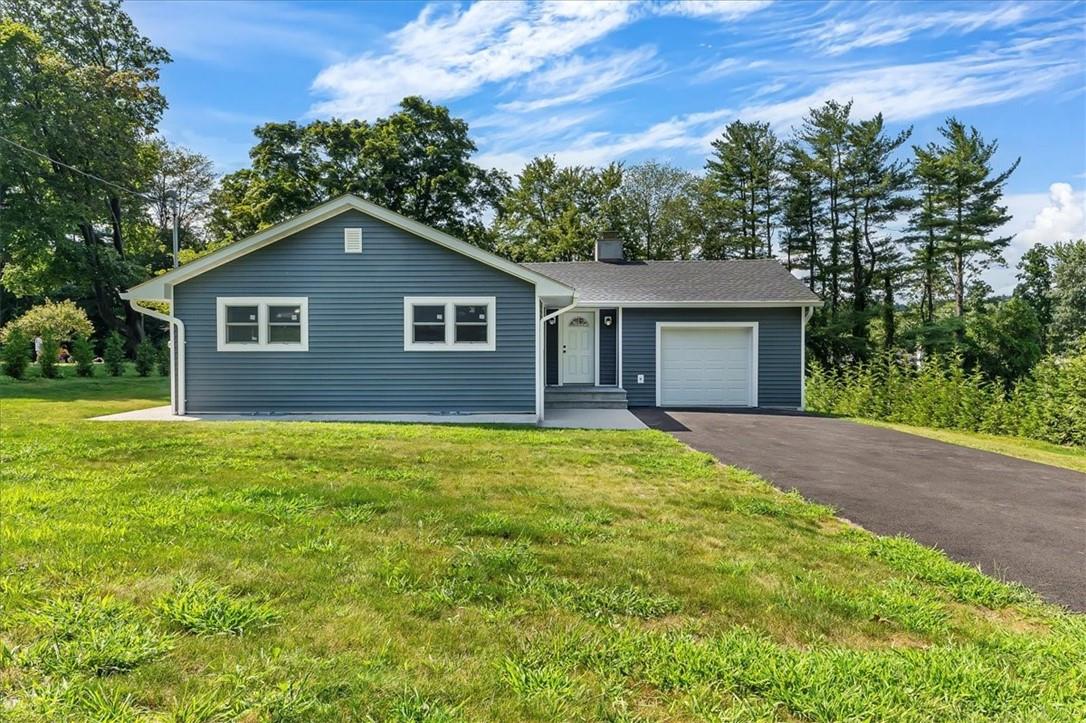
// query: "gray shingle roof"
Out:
[733,280]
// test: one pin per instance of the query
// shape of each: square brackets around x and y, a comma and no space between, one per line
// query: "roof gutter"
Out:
[177,354]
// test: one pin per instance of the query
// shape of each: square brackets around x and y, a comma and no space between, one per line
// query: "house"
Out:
[350,307]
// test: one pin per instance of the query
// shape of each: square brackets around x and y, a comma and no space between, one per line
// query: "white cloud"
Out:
[910,91]
[578,79]
[444,56]
[890,27]
[712,9]
[1059,215]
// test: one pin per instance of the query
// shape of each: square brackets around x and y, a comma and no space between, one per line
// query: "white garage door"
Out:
[706,366]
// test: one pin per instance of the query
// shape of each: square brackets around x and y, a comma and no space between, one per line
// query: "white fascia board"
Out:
[156,288]
[695,304]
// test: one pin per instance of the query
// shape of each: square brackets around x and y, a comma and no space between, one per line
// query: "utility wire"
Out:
[81,172]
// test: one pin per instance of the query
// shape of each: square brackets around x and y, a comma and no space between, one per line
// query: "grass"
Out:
[322,572]
[1072,458]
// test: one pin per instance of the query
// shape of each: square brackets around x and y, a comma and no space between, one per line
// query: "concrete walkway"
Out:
[1018,520]
[555,418]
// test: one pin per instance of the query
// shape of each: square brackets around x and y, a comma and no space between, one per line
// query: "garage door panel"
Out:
[705,366]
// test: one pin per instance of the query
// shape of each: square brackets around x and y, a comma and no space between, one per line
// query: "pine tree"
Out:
[145,357]
[16,354]
[114,355]
[47,360]
[83,354]
[745,173]
[972,195]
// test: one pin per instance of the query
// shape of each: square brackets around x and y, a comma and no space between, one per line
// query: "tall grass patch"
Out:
[204,608]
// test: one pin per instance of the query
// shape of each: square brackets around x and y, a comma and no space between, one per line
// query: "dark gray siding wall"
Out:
[779,355]
[356,360]
[608,347]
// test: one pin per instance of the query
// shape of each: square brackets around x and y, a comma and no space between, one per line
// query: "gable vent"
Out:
[352,240]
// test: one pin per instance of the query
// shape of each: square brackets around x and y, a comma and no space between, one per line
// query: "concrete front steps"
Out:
[584,396]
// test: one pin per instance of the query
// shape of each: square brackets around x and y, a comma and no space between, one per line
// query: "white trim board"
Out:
[752,325]
[695,304]
[155,289]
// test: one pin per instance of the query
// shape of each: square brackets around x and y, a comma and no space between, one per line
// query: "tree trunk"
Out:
[888,320]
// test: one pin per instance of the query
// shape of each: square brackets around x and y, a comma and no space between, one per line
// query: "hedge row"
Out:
[1049,404]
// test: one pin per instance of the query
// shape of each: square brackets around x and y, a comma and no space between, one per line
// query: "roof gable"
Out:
[157,288]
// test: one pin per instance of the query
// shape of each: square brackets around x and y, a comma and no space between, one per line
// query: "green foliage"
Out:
[80,83]
[162,359]
[60,320]
[146,357]
[203,608]
[83,355]
[16,354]
[661,213]
[415,162]
[1005,340]
[1048,405]
[743,173]
[1068,295]
[93,635]
[47,359]
[114,355]
[556,213]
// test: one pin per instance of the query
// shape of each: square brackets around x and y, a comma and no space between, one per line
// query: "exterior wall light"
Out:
[607,320]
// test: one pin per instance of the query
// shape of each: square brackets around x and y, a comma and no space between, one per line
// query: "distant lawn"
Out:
[323,572]
[1073,458]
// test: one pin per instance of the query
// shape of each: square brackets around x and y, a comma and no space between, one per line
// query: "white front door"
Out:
[577,338]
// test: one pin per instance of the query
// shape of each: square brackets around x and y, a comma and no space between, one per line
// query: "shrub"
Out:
[16,354]
[83,355]
[114,356]
[162,359]
[47,360]
[1049,404]
[146,356]
[60,320]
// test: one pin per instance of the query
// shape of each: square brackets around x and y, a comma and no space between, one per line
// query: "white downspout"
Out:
[541,332]
[805,313]
[179,405]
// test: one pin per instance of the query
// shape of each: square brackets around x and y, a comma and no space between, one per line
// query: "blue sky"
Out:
[594,82]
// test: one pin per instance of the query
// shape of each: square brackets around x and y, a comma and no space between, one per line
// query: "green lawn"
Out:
[1073,458]
[307,572]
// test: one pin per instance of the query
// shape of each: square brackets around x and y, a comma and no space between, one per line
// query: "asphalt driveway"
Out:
[1018,520]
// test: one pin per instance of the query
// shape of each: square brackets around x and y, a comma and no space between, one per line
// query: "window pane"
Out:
[241,314]
[429,314]
[470,313]
[471,332]
[285,314]
[285,333]
[242,334]
[429,332]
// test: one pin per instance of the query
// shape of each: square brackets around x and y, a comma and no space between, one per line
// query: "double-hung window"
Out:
[265,323]
[448,323]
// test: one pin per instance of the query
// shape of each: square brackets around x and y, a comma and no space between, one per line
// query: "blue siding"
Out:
[356,360]
[608,348]
[779,358]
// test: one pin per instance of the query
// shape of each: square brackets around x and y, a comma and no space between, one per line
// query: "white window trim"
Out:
[262,303]
[449,302]
[753,368]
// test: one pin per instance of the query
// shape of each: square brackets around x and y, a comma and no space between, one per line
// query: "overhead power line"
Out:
[80,171]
